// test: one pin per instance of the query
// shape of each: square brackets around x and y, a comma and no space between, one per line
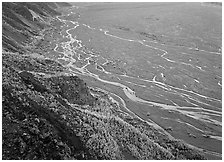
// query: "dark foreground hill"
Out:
[49,114]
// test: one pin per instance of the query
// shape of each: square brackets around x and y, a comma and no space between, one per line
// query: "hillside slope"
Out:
[49,113]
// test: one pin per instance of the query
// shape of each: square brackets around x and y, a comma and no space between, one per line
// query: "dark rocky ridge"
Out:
[47,114]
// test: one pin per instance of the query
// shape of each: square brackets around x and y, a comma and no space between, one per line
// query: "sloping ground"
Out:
[45,119]
[47,113]
[23,21]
